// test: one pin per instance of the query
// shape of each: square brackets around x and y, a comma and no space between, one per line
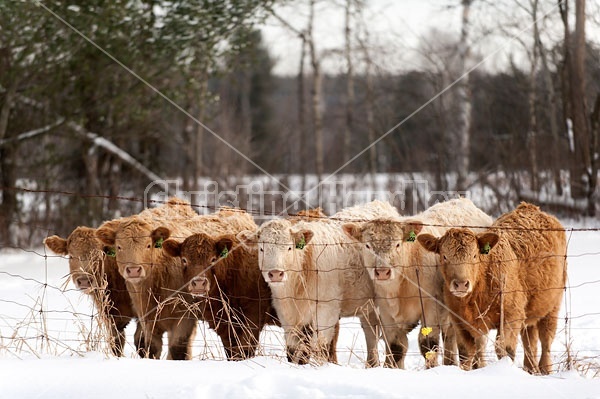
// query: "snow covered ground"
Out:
[50,346]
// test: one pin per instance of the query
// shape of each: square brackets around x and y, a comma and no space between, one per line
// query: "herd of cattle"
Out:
[451,269]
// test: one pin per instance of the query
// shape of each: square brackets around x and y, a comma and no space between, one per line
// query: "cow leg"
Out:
[511,334]
[396,346]
[333,344]
[149,344]
[297,341]
[547,330]
[529,336]
[468,349]
[450,346]
[370,326]
[180,339]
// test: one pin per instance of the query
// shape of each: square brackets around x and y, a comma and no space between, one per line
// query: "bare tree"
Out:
[583,169]
[464,100]
[349,79]
[316,92]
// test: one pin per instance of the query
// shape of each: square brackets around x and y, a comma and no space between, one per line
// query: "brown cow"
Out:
[154,279]
[151,279]
[236,299]
[95,273]
[510,278]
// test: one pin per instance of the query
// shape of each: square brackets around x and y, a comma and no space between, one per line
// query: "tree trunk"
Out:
[580,170]
[464,102]
[198,143]
[551,108]
[317,95]
[349,83]
[532,100]
[8,207]
[302,133]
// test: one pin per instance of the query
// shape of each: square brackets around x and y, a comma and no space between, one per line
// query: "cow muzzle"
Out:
[83,283]
[276,276]
[134,273]
[383,273]
[460,288]
[199,286]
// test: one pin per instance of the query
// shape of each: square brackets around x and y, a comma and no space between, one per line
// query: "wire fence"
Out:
[40,313]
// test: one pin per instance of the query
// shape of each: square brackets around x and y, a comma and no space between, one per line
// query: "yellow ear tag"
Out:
[411,236]
[301,244]
[158,243]
[426,331]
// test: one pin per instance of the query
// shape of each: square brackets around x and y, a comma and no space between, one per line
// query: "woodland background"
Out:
[80,130]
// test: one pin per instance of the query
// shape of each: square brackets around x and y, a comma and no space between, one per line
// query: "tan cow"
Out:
[94,271]
[316,277]
[510,277]
[408,284]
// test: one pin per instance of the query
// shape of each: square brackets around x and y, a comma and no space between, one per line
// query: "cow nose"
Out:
[383,273]
[461,285]
[276,276]
[199,283]
[133,271]
[83,283]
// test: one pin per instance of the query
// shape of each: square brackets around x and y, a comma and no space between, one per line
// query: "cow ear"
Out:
[57,245]
[353,231]
[107,233]
[248,239]
[301,238]
[172,248]
[487,241]
[429,242]
[159,235]
[224,245]
[411,229]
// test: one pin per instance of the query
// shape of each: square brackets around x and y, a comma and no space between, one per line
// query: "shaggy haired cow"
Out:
[316,277]
[154,279]
[408,284]
[138,234]
[236,299]
[511,278]
[94,271]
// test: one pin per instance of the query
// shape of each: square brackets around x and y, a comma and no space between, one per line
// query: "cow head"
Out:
[281,249]
[87,256]
[385,244]
[201,258]
[461,254]
[137,244]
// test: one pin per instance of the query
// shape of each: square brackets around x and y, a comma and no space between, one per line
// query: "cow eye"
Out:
[184,261]
[368,246]
[213,260]
[398,245]
[290,248]
[118,247]
[148,247]
[262,250]
[445,258]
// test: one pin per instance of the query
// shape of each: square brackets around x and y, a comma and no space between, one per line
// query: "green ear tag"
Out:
[110,252]
[158,243]
[411,236]
[301,244]
[486,248]
[224,252]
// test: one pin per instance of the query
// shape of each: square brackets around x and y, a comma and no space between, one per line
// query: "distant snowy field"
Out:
[49,347]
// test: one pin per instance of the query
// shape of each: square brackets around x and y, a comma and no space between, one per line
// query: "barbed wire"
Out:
[40,314]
